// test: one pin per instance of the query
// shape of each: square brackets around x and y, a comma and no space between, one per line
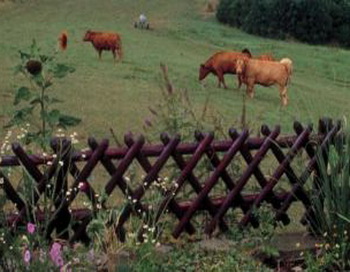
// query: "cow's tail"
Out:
[119,48]
[288,64]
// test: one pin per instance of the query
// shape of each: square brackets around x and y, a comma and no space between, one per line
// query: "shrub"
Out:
[312,22]
[307,20]
[233,12]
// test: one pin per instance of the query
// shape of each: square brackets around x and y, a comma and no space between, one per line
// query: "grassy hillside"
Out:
[108,95]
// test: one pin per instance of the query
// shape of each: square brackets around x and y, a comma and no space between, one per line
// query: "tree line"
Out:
[312,21]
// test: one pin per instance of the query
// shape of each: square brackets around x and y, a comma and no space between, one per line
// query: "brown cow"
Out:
[105,41]
[223,62]
[265,73]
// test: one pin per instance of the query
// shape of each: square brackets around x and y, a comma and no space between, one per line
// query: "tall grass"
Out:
[330,201]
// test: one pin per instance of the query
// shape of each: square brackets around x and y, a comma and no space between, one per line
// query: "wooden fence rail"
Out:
[66,173]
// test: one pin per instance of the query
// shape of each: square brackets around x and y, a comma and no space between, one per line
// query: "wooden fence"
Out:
[68,173]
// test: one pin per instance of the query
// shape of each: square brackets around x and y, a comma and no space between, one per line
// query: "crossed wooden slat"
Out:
[230,198]
[211,181]
[61,202]
[312,164]
[151,176]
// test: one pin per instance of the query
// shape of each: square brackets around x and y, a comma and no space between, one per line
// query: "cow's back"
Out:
[106,40]
[226,60]
[266,72]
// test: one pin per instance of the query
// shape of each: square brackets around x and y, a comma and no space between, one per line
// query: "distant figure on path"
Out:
[142,23]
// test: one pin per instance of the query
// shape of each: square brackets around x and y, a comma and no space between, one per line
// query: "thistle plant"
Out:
[34,101]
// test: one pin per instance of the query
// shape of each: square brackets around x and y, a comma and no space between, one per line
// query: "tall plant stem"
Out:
[43,115]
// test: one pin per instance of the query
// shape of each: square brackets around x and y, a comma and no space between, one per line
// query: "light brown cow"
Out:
[265,73]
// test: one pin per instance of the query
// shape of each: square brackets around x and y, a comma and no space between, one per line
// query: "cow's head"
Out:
[203,71]
[87,36]
[240,66]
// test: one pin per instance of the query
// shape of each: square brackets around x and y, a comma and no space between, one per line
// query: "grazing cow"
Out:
[63,40]
[105,41]
[223,62]
[265,73]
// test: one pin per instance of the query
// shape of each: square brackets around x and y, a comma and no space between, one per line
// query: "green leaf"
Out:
[44,58]
[34,49]
[53,100]
[68,121]
[20,116]
[39,80]
[35,100]
[22,93]
[24,55]
[343,217]
[53,117]
[61,70]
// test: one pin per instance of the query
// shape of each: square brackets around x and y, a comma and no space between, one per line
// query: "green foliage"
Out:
[34,102]
[233,12]
[330,202]
[312,21]
[320,21]
[241,245]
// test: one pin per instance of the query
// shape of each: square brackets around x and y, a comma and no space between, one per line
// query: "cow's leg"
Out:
[250,89]
[240,80]
[119,52]
[284,96]
[219,82]
[221,78]
[114,55]
[99,53]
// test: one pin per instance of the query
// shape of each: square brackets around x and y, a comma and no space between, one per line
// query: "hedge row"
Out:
[312,21]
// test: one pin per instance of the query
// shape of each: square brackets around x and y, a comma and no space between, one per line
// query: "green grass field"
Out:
[107,95]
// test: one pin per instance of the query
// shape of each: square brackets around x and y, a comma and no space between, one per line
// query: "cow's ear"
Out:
[247,52]
[202,65]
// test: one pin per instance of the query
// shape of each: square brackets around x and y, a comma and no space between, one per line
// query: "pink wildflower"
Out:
[55,254]
[31,228]
[27,256]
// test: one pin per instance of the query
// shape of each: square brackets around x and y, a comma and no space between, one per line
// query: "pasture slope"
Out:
[183,36]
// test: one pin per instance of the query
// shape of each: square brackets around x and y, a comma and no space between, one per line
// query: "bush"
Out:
[312,22]
[233,12]
[307,20]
